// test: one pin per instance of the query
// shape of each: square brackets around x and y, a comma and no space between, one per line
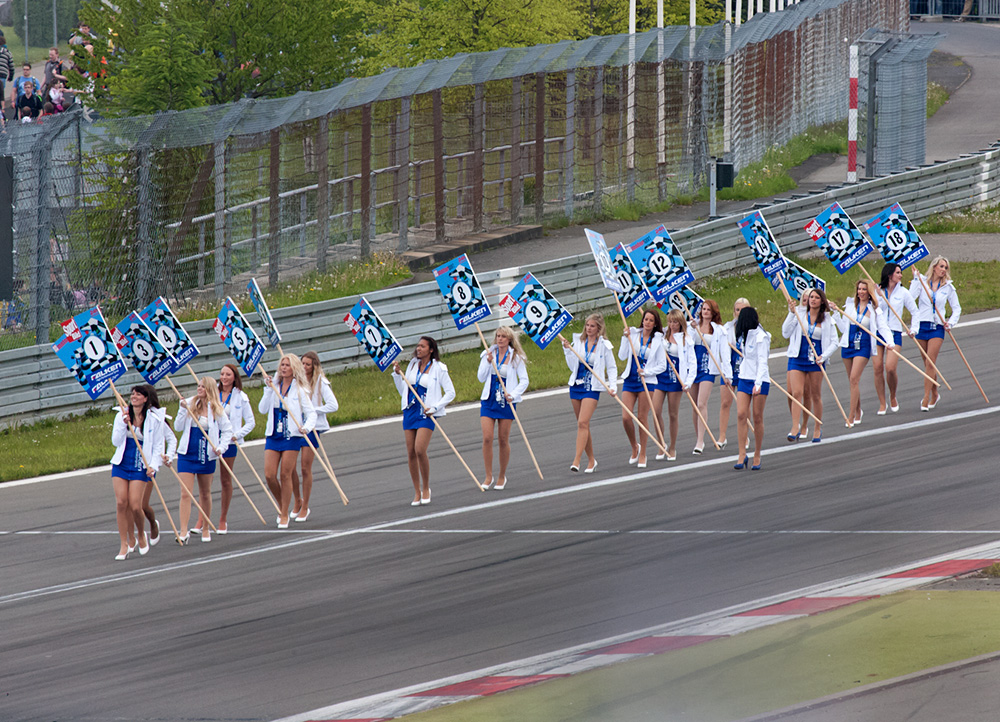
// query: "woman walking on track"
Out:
[884,364]
[805,368]
[237,405]
[496,409]
[930,310]
[323,400]
[129,475]
[290,415]
[856,345]
[647,343]
[678,346]
[197,453]
[709,346]
[169,454]
[726,402]
[754,344]
[584,390]
[429,377]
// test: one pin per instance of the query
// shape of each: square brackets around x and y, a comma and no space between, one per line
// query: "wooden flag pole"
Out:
[784,391]
[503,387]
[610,391]
[927,290]
[905,328]
[642,378]
[221,459]
[322,462]
[185,490]
[166,509]
[805,335]
[717,365]
[901,356]
[437,425]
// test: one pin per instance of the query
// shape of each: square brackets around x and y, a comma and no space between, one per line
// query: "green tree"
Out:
[40,20]
[610,17]
[403,33]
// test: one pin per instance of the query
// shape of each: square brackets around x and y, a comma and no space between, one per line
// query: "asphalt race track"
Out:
[262,624]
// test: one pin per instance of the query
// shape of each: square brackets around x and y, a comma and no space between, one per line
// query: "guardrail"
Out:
[35,385]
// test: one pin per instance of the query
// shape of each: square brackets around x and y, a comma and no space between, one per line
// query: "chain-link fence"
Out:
[892,100]
[192,204]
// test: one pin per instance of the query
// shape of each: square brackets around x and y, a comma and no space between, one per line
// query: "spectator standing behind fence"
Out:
[18,88]
[82,35]
[6,70]
[29,105]
[53,70]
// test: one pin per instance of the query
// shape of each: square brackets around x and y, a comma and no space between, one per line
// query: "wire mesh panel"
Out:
[192,204]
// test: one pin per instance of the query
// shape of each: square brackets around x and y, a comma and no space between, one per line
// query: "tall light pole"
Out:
[630,113]
[25,31]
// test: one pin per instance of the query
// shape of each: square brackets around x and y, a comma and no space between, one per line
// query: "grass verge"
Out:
[968,220]
[53,446]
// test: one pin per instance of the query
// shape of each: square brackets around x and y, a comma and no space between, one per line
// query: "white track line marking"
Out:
[314,538]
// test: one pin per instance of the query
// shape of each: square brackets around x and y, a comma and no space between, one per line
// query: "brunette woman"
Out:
[429,378]
[290,416]
[730,380]
[931,310]
[323,400]
[805,367]
[584,389]
[646,343]
[205,432]
[754,344]
[133,466]
[237,406]
[678,347]
[863,310]
[897,298]
[496,408]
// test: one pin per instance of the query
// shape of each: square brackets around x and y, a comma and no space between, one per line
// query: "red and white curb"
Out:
[655,640]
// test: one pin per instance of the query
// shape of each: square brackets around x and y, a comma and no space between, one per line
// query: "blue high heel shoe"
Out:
[818,439]
[742,465]
[756,467]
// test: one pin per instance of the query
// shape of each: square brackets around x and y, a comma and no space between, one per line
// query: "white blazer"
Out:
[296,403]
[875,323]
[792,330]
[656,358]
[602,360]
[151,441]
[945,296]
[220,430]
[718,347]
[514,365]
[899,299]
[324,402]
[240,414]
[730,344]
[687,361]
[440,391]
[169,437]
[753,365]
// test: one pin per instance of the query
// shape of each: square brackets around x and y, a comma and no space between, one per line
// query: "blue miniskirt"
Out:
[745,386]
[929,330]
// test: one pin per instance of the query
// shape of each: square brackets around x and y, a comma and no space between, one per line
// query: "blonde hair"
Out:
[937,260]
[740,301]
[870,287]
[317,367]
[597,319]
[211,400]
[675,315]
[512,337]
[298,372]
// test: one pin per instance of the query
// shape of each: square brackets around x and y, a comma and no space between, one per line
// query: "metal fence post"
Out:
[323,193]
[255,220]
[348,214]
[597,141]
[146,273]
[366,179]
[221,252]
[274,210]
[539,147]
[478,109]
[439,207]
[516,180]
[570,147]
[403,174]
[42,277]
